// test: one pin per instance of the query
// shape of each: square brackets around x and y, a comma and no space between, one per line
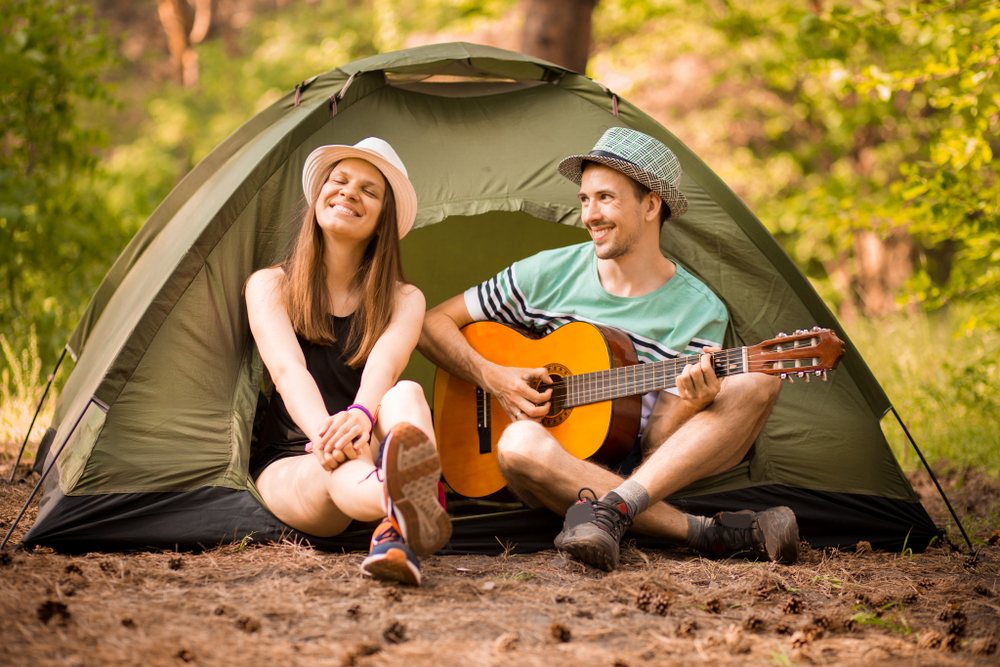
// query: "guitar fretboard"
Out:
[608,385]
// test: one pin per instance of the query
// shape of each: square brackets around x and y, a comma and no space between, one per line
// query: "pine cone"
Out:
[645,598]
[793,606]
[951,643]
[686,628]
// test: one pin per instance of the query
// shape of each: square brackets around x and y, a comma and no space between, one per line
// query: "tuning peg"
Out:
[819,373]
[782,335]
[801,374]
[799,332]
[817,329]
[824,376]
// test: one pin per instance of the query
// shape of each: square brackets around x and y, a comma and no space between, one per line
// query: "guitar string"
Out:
[599,386]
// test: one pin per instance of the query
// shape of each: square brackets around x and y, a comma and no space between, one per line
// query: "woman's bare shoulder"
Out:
[410,294]
[265,278]
[264,286]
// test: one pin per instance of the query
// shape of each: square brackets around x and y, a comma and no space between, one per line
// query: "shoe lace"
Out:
[607,516]
[581,497]
[387,531]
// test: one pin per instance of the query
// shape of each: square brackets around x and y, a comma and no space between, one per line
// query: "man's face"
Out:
[610,210]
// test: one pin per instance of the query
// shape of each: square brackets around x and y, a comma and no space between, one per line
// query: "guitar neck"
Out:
[587,388]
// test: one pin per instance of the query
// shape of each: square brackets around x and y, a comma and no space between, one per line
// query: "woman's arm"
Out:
[280,351]
[391,352]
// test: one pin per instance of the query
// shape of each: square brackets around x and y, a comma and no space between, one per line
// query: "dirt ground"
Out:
[291,605]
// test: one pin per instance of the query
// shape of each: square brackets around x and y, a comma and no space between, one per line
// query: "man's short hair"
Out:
[640,191]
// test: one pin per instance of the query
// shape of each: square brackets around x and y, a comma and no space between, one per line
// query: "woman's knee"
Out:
[405,395]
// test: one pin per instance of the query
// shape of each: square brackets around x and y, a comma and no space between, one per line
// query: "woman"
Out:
[335,325]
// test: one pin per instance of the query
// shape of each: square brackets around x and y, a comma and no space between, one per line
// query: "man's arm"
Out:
[698,386]
[442,342]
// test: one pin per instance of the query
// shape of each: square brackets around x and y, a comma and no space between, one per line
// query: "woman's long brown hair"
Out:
[307,299]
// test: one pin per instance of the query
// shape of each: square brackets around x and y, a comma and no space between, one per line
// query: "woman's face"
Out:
[350,201]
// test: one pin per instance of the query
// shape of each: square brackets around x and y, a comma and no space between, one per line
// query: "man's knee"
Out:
[754,389]
[525,449]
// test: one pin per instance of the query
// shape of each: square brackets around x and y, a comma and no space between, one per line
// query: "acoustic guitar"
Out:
[597,381]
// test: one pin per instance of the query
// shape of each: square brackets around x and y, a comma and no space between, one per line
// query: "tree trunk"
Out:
[184,27]
[882,266]
[558,31]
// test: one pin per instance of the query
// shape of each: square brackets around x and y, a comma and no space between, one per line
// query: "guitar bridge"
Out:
[484,421]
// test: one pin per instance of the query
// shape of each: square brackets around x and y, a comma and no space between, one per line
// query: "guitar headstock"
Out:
[802,354]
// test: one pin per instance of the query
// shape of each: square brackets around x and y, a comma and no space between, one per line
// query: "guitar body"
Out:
[468,423]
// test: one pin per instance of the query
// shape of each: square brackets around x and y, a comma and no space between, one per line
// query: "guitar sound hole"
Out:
[557,415]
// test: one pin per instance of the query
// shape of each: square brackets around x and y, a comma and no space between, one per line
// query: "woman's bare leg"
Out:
[308,498]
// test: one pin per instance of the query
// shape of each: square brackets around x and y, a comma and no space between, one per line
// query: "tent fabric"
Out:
[167,373]
[206,517]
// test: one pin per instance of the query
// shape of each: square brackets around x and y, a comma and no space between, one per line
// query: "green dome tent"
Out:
[152,430]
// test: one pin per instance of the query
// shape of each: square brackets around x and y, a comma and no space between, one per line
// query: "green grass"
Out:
[942,380]
[21,387]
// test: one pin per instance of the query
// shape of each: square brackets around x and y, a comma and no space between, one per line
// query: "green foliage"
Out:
[837,128]
[56,238]
[934,66]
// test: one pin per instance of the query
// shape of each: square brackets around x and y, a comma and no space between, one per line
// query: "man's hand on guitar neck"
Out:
[697,384]
[515,389]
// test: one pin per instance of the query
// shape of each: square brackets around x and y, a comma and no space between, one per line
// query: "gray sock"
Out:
[635,496]
[697,537]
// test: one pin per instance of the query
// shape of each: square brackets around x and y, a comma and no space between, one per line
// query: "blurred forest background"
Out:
[864,134]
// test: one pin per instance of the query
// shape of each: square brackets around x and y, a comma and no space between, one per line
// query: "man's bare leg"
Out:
[543,473]
[714,440]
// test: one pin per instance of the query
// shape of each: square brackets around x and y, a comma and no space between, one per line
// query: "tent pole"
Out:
[45,474]
[972,549]
[27,435]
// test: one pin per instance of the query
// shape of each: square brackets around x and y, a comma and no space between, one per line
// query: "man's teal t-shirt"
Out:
[555,287]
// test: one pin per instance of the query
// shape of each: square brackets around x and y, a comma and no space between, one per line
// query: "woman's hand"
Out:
[341,437]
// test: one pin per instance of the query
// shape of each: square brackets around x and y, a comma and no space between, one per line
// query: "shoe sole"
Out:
[412,472]
[590,549]
[393,565]
[781,534]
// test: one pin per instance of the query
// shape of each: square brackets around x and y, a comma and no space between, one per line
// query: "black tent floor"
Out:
[207,517]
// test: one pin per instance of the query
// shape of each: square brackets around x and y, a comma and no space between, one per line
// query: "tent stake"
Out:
[972,549]
[45,474]
[27,435]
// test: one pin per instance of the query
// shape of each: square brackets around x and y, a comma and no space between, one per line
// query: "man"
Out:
[628,189]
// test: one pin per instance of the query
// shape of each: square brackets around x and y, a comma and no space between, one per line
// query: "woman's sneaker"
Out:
[389,559]
[411,471]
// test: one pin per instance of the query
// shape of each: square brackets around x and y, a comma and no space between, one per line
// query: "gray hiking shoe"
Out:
[769,535]
[593,530]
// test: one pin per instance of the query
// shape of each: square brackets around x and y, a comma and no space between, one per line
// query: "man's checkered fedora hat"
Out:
[638,156]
